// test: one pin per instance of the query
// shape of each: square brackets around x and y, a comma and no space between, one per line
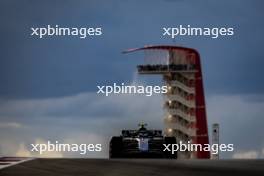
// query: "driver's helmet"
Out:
[142,126]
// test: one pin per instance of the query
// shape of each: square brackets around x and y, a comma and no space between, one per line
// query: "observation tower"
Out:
[184,103]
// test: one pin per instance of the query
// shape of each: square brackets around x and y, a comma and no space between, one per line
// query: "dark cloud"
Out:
[32,68]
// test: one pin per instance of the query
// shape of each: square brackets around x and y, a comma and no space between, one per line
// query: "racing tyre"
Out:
[115,147]
[168,154]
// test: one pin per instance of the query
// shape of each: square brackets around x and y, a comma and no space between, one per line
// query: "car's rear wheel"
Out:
[168,154]
[115,147]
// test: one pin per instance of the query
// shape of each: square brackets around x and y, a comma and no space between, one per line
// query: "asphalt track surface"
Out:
[134,167]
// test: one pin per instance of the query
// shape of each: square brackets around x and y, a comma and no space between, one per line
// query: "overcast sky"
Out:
[48,86]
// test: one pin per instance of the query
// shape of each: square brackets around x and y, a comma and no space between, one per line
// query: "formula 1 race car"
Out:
[141,143]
